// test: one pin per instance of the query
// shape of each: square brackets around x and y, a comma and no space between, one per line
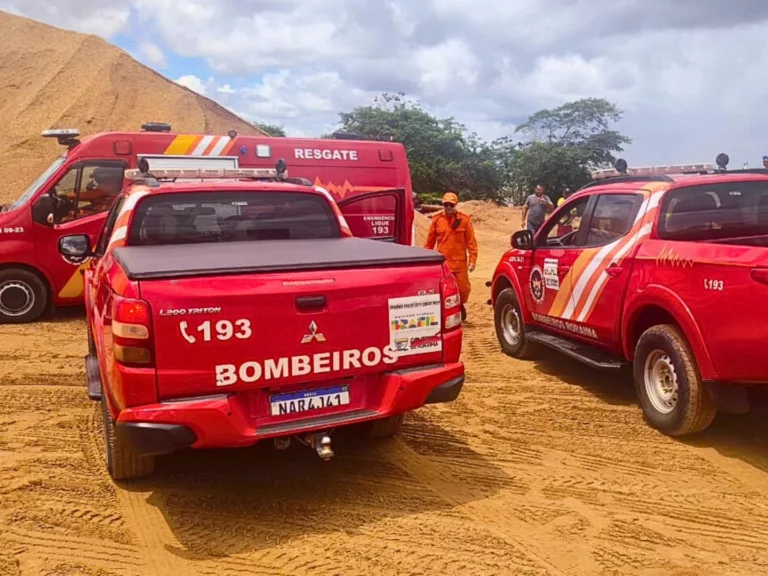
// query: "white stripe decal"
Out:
[220,145]
[119,234]
[585,278]
[203,146]
[595,264]
[640,234]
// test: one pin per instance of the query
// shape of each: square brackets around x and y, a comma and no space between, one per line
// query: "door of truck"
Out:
[612,228]
[78,216]
[378,215]
[547,286]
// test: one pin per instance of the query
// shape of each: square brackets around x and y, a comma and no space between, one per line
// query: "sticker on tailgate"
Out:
[415,324]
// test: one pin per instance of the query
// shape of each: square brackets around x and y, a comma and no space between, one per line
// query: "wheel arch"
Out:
[659,305]
[503,281]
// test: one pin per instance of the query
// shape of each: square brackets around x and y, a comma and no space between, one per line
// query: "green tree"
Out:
[270,129]
[441,154]
[564,145]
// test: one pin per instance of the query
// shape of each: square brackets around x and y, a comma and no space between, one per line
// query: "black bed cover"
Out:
[228,258]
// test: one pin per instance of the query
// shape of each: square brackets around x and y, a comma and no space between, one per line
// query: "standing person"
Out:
[564,197]
[535,209]
[454,235]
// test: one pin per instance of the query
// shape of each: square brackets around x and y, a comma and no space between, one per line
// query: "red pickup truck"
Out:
[222,313]
[666,275]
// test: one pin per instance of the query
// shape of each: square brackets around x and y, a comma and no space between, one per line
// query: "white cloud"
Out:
[687,73]
[151,54]
[89,16]
[193,83]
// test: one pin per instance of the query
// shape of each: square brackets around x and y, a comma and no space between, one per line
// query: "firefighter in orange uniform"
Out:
[452,231]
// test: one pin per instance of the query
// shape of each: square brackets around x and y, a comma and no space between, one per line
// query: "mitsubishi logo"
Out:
[313,334]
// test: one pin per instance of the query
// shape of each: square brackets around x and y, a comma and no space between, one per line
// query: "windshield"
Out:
[715,211]
[231,217]
[35,186]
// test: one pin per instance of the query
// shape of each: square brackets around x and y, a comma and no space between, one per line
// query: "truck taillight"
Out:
[449,290]
[131,323]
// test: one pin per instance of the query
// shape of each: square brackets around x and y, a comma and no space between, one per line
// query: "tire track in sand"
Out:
[483,512]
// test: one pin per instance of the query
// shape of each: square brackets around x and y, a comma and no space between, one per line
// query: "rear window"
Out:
[715,211]
[232,217]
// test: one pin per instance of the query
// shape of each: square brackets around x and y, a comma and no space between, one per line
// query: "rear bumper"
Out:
[228,421]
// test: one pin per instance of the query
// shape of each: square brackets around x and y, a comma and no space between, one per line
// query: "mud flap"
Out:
[93,377]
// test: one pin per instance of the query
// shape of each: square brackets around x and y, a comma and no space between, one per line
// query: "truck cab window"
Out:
[563,228]
[613,217]
[87,190]
[232,217]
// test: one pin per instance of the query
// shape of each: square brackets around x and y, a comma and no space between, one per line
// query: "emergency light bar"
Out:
[203,173]
[668,169]
[61,133]
[68,137]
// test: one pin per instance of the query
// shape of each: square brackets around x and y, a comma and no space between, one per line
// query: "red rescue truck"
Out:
[77,190]
[223,313]
[663,272]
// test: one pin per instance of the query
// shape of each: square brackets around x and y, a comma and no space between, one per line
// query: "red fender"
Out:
[663,297]
[506,270]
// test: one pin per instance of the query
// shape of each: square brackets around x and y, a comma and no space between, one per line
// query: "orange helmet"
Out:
[450,198]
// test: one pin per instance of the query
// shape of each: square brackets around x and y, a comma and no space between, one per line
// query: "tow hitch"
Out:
[322,443]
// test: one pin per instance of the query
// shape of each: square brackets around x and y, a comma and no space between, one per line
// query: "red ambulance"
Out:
[370,181]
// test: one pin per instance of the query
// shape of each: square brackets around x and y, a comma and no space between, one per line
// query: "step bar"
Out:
[584,353]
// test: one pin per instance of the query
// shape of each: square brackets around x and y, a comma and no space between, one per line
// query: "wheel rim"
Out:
[510,325]
[16,298]
[661,381]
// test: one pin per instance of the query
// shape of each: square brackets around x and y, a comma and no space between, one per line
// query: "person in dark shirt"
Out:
[535,209]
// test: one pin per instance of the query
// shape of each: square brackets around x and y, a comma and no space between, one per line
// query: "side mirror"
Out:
[522,240]
[43,209]
[76,248]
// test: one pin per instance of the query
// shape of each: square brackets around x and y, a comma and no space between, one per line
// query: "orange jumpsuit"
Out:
[455,244]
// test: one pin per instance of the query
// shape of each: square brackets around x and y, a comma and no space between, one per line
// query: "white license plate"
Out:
[308,400]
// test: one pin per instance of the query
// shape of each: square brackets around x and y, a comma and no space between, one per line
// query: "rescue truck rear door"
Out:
[378,215]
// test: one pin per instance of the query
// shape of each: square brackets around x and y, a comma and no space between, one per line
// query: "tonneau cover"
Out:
[226,258]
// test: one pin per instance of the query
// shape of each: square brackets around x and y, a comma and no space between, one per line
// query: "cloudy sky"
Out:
[691,75]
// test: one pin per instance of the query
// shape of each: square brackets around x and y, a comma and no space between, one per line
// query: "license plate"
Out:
[308,400]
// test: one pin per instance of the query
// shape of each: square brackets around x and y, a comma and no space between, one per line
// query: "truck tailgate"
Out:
[278,330]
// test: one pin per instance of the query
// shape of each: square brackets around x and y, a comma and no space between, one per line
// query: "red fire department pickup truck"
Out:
[222,313]
[75,193]
[668,275]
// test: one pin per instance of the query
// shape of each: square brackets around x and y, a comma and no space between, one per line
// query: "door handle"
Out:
[310,302]
[614,270]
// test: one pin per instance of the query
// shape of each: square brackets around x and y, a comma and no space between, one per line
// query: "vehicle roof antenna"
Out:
[722,161]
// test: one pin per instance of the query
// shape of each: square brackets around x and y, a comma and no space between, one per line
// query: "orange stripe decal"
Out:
[181,145]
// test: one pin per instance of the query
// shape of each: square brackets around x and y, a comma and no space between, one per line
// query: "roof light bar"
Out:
[655,170]
[61,133]
[203,173]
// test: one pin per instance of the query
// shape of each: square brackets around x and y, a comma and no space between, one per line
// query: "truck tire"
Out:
[668,385]
[385,427]
[122,462]
[510,329]
[23,296]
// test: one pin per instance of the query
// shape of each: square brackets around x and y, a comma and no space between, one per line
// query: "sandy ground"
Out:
[541,467]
